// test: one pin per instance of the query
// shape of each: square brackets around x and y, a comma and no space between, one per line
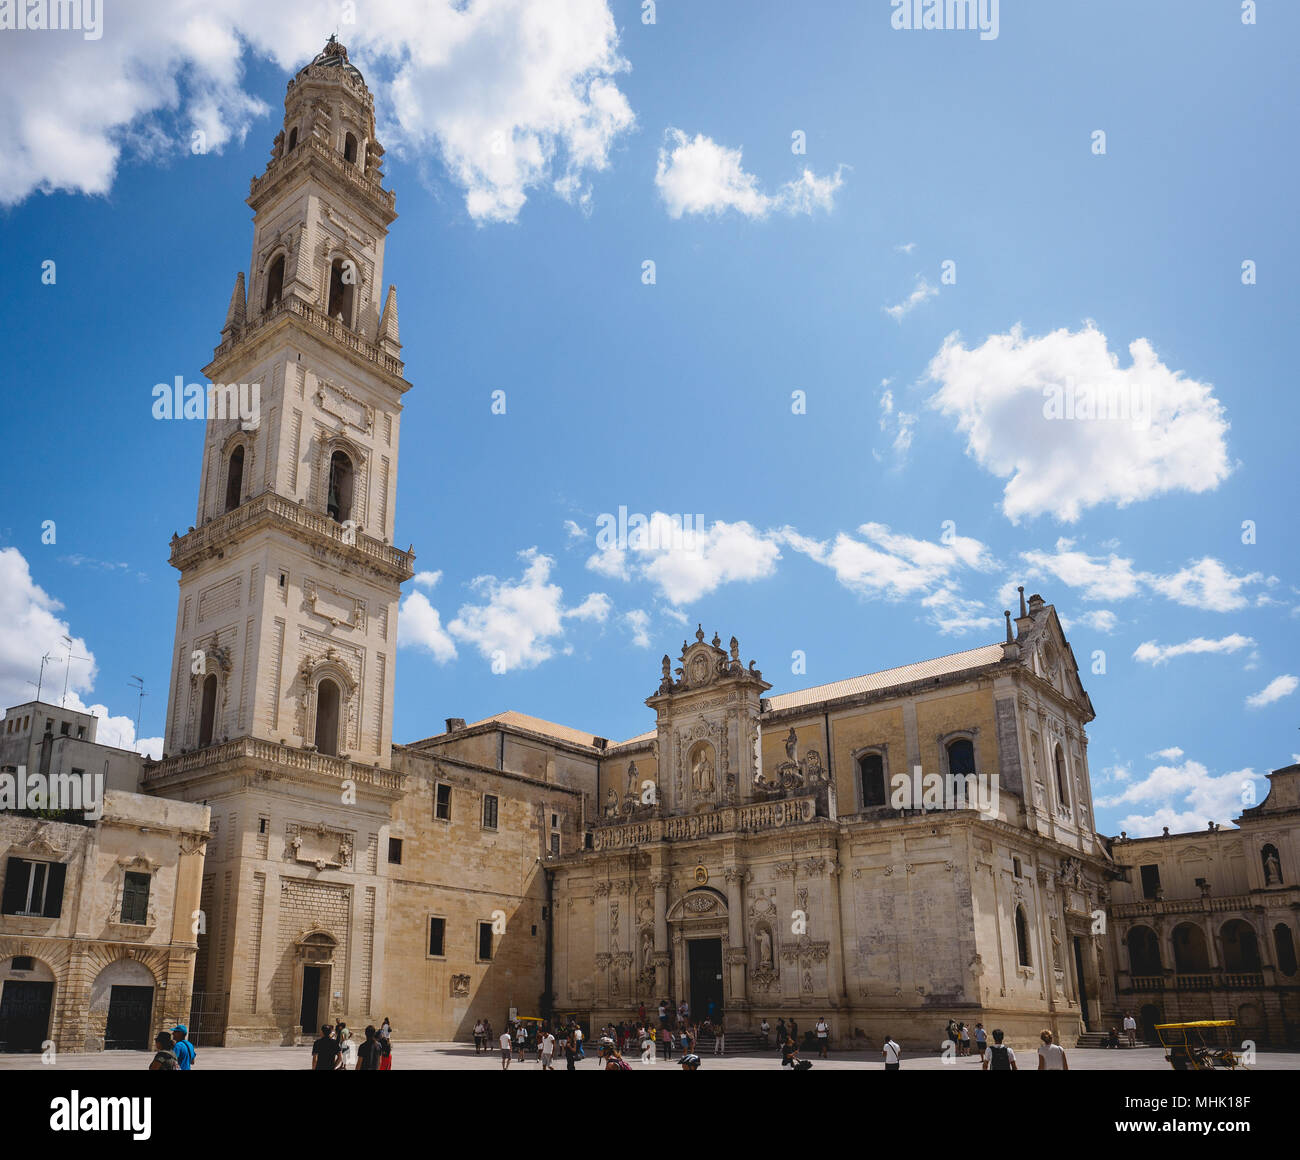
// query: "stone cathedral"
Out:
[747,852]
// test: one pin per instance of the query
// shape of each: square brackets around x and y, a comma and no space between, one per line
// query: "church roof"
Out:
[888,678]
[537,725]
[335,55]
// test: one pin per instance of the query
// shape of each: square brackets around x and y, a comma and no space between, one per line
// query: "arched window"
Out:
[327,717]
[350,149]
[871,776]
[1062,789]
[343,276]
[1022,937]
[1144,951]
[274,282]
[1190,955]
[293,139]
[1240,946]
[208,713]
[339,502]
[961,756]
[1285,949]
[235,478]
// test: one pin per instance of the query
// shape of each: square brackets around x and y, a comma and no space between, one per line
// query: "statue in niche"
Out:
[647,946]
[764,948]
[702,772]
[1272,867]
[631,779]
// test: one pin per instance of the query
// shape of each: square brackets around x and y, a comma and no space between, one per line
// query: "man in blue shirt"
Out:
[183,1049]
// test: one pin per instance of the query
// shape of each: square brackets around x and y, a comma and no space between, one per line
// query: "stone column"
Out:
[601,913]
[737,951]
[661,956]
[837,996]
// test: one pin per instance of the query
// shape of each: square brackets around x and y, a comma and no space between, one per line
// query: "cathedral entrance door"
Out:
[1083,987]
[705,975]
[310,1000]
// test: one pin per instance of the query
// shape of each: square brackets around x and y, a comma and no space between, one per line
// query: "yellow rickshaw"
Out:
[1203,1045]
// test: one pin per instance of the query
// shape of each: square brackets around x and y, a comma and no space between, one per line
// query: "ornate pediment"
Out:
[703,664]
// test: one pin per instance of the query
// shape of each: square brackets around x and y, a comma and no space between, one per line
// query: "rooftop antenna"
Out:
[67,667]
[45,660]
[139,703]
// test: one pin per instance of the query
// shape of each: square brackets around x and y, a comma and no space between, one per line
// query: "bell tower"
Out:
[281,701]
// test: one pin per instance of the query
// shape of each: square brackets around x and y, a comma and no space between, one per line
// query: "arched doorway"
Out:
[314,953]
[208,711]
[26,1004]
[1240,947]
[698,922]
[1190,954]
[1148,1017]
[1144,952]
[327,717]
[121,1005]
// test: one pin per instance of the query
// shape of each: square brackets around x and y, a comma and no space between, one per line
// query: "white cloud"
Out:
[1169,434]
[638,622]
[574,531]
[685,565]
[1158,654]
[1275,690]
[906,247]
[522,620]
[1206,584]
[921,293]
[419,625]
[1098,619]
[1173,753]
[512,96]
[697,175]
[899,422]
[1189,796]
[427,579]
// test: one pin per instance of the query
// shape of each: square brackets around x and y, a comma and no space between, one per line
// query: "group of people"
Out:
[563,1040]
[173,1050]
[998,1055]
[1111,1039]
[820,1035]
[336,1050]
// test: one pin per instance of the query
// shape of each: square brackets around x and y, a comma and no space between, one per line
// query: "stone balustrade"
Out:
[272,755]
[686,827]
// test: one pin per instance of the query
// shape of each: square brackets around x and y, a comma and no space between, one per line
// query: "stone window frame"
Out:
[496,812]
[478,941]
[437,785]
[1024,946]
[327,446]
[237,438]
[329,669]
[1061,775]
[337,252]
[946,739]
[278,250]
[855,756]
[428,939]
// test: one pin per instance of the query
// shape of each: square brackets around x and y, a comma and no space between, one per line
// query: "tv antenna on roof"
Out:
[139,703]
[67,666]
[45,660]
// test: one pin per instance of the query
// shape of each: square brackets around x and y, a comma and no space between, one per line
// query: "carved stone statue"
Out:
[702,773]
[1272,869]
[611,803]
[735,650]
[631,779]
[792,746]
[667,667]
[764,948]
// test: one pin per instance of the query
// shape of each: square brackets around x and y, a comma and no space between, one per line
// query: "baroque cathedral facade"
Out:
[746,853]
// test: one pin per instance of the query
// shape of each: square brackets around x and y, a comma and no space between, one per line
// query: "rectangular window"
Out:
[485,942]
[49,724]
[261,825]
[489,811]
[555,820]
[555,845]
[24,963]
[33,889]
[437,937]
[64,728]
[81,732]
[135,899]
[395,851]
[1150,881]
[442,803]
[1015,867]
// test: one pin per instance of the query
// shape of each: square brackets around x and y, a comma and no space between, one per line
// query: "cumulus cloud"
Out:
[1152,653]
[574,531]
[1187,796]
[685,565]
[1205,584]
[32,630]
[427,579]
[511,96]
[1098,619]
[885,564]
[922,292]
[697,175]
[638,623]
[1275,690]
[419,625]
[896,423]
[1028,407]
[520,621]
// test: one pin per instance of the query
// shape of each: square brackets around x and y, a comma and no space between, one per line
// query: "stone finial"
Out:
[699,633]
[238,308]
[388,333]
[1007,614]
[1021,589]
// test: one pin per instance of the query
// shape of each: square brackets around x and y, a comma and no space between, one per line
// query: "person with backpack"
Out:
[892,1053]
[1000,1056]
[163,1059]
[182,1048]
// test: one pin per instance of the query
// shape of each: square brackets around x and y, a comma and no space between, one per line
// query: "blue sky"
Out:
[888,523]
